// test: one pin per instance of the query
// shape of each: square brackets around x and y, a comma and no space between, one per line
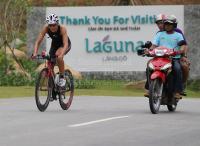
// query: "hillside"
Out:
[54,3]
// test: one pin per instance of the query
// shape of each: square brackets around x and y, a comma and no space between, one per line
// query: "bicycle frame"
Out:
[50,74]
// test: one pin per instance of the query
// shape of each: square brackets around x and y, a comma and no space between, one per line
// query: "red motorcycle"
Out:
[160,78]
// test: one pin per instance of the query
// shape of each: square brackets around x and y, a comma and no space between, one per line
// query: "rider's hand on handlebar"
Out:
[146,51]
[33,56]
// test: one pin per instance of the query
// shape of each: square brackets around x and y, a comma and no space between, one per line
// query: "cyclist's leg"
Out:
[61,65]
[61,62]
[52,51]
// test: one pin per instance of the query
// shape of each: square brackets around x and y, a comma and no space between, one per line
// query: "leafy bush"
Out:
[90,3]
[22,37]
[29,65]
[34,76]
[193,84]
[10,62]
[13,80]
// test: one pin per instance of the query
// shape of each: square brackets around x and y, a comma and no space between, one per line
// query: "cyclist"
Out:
[170,38]
[60,44]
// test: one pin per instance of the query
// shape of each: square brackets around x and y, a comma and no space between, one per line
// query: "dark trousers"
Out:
[147,82]
[177,73]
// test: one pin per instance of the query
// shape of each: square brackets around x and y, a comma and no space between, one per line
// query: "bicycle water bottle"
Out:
[57,78]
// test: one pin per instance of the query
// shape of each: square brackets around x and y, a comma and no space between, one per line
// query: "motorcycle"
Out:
[160,77]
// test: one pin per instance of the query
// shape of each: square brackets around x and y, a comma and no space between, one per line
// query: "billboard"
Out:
[107,38]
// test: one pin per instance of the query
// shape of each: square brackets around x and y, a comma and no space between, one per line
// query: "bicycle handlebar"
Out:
[44,55]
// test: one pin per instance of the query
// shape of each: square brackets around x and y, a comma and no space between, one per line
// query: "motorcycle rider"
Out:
[170,38]
[184,65]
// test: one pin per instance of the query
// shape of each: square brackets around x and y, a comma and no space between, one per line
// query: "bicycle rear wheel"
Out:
[43,90]
[66,93]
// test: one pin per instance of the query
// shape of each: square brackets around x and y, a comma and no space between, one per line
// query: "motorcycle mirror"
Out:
[180,43]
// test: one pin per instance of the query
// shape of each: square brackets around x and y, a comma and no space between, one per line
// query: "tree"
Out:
[124,2]
[12,15]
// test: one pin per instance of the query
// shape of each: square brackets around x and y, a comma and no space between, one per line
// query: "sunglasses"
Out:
[52,25]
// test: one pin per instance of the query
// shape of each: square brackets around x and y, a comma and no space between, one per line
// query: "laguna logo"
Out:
[54,35]
[109,46]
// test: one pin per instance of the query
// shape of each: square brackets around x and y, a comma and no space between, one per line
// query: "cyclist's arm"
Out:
[65,39]
[40,38]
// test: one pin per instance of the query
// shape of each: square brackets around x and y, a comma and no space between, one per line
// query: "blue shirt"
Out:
[168,40]
[179,31]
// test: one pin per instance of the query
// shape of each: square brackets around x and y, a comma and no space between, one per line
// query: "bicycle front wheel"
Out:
[66,93]
[43,90]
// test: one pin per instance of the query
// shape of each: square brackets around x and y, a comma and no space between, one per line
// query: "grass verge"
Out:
[102,88]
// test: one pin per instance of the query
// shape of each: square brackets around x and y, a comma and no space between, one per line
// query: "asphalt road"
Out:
[97,121]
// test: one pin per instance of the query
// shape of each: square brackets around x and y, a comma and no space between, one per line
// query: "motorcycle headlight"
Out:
[167,66]
[151,66]
[160,52]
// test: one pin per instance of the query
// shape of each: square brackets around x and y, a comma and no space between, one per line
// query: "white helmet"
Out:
[160,17]
[171,19]
[52,19]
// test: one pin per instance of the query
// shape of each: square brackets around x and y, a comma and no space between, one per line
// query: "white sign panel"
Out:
[107,38]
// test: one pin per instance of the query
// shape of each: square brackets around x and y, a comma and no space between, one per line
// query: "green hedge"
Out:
[193,84]
[14,79]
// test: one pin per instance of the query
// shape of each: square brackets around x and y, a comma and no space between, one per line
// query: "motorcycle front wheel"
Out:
[154,92]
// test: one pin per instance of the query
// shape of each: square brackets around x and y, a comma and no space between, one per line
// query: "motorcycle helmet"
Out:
[171,19]
[160,17]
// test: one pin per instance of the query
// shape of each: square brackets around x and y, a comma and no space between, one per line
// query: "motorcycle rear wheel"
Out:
[171,108]
[154,92]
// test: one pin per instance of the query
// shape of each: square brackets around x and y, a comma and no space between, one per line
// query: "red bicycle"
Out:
[47,87]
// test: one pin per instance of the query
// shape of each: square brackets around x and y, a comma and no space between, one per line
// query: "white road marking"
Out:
[97,121]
